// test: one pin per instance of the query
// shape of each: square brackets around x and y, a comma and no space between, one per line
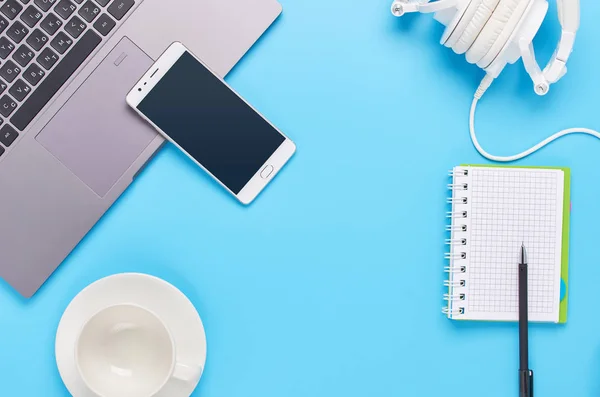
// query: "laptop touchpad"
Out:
[95,134]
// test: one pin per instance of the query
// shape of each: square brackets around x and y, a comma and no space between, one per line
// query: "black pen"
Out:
[525,374]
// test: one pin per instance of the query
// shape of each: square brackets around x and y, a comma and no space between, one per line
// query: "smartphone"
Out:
[199,113]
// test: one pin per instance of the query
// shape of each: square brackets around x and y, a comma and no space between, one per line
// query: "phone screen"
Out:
[211,123]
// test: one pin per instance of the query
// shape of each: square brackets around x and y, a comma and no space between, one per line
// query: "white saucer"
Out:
[157,295]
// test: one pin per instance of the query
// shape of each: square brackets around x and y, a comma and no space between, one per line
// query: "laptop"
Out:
[69,144]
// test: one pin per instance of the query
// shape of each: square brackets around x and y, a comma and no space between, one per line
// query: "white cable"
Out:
[485,84]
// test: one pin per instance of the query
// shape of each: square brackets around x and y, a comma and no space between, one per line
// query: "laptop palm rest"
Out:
[88,134]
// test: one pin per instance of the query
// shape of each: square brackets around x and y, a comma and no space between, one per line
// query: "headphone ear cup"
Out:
[475,26]
[520,17]
[461,24]
[453,23]
[492,29]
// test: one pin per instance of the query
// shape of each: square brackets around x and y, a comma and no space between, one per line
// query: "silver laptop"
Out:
[69,145]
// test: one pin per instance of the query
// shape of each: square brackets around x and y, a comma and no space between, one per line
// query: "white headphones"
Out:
[494,33]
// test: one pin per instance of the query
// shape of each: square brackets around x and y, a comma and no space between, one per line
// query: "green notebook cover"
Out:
[564,270]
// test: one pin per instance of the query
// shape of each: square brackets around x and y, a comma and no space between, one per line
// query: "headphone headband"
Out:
[568,14]
[569,17]
[401,7]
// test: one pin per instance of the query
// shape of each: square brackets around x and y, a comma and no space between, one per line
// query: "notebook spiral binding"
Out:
[457,269]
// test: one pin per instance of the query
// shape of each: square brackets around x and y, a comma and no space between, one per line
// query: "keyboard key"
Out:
[119,8]
[7,105]
[9,71]
[65,8]
[78,1]
[37,39]
[3,24]
[8,135]
[23,55]
[17,32]
[47,58]
[45,5]
[61,43]
[102,2]
[34,74]
[56,79]
[51,24]
[75,27]
[19,90]
[104,24]
[3,86]
[11,9]
[25,1]
[31,16]
[6,47]
[89,11]
[1,149]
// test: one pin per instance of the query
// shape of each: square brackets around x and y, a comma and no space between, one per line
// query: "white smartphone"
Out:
[200,114]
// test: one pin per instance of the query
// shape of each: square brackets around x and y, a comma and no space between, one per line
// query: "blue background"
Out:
[330,284]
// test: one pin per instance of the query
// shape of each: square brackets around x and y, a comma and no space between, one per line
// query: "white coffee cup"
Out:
[127,351]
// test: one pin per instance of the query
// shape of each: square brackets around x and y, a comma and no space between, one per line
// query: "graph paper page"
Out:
[510,206]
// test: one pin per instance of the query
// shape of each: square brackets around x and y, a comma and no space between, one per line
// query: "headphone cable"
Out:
[483,87]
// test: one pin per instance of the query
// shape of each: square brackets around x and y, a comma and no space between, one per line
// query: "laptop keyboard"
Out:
[42,44]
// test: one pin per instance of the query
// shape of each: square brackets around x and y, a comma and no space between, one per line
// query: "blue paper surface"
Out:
[330,284]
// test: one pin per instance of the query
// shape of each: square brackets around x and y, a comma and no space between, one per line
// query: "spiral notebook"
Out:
[494,211]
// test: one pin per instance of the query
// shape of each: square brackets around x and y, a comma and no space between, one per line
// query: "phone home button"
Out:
[266,172]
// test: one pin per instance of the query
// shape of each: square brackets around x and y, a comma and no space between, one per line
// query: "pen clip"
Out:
[525,383]
[530,383]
